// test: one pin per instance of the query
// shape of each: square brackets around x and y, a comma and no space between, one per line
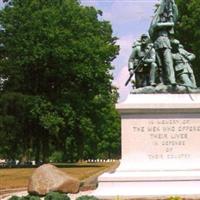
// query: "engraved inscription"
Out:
[170,136]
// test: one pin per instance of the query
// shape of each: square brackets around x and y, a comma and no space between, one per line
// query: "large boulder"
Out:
[48,178]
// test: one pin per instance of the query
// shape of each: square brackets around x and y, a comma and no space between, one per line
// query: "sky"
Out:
[129,19]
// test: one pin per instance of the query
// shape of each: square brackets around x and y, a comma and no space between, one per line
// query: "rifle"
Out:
[138,66]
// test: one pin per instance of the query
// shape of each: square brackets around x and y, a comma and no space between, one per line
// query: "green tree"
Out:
[188,30]
[57,57]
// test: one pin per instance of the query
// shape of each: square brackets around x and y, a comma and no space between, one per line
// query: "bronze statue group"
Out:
[160,58]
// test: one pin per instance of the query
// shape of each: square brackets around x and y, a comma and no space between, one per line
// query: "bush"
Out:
[174,198]
[28,197]
[56,156]
[85,197]
[56,196]
[14,198]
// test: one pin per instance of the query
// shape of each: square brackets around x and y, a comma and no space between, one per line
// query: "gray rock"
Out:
[48,178]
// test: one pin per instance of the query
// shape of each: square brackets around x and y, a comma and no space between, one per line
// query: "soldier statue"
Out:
[142,63]
[161,30]
[182,65]
[163,59]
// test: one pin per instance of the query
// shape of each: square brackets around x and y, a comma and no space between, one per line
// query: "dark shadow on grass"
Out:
[76,165]
[59,165]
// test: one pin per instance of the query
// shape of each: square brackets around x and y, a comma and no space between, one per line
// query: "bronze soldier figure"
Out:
[161,29]
[182,65]
[142,63]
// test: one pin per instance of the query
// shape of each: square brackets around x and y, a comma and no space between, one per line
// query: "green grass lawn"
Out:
[18,177]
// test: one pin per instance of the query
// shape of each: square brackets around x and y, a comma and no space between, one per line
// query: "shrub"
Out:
[56,196]
[28,197]
[56,156]
[14,198]
[86,197]
[174,198]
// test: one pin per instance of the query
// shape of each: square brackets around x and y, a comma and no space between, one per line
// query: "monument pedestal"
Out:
[160,148]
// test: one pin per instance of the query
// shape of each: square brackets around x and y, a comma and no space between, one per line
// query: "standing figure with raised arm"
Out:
[161,30]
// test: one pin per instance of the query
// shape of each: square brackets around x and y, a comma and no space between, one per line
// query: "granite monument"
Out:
[160,119]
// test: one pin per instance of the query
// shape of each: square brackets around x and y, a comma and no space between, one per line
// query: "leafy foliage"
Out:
[188,30]
[174,198]
[56,196]
[56,57]
[28,197]
[14,198]
[85,197]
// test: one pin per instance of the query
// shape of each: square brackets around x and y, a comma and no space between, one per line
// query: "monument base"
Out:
[160,148]
[126,185]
